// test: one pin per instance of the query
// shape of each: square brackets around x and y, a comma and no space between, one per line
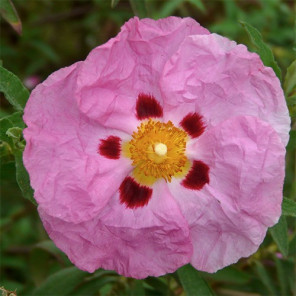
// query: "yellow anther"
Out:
[157,150]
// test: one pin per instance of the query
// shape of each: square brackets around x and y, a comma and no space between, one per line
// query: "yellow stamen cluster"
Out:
[157,150]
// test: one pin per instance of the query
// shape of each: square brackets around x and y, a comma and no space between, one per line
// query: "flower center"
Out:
[157,150]
[160,149]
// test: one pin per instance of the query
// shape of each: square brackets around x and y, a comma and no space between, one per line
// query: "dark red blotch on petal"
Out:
[197,177]
[147,106]
[192,123]
[110,147]
[133,195]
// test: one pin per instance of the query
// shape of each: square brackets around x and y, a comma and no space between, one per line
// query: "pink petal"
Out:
[115,73]
[229,217]
[219,79]
[71,180]
[148,241]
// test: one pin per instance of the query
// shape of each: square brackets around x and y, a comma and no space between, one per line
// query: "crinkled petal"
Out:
[229,217]
[220,79]
[148,241]
[114,74]
[68,175]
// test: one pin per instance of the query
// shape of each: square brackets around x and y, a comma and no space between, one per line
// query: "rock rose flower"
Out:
[164,147]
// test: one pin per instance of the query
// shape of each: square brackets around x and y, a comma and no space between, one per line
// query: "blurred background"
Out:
[58,33]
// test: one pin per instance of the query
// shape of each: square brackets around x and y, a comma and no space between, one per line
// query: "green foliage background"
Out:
[58,33]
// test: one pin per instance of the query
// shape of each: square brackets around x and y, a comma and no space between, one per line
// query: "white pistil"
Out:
[160,149]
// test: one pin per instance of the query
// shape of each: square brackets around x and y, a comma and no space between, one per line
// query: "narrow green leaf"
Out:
[279,233]
[49,247]
[45,50]
[192,282]
[292,247]
[61,283]
[95,282]
[137,288]
[290,79]
[10,128]
[6,154]
[139,8]
[114,3]
[158,285]
[168,8]
[92,287]
[265,278]
[39,264]
[9,13]
[291,101]
[6,142]
[13,89]
[22,177]
[10,121]
[292,141]
[282,276]
[229,274]
[263,50]
[16,134]
[199,4]
[289,207]
[289,266]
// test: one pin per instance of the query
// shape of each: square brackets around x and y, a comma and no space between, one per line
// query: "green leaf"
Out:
[22,177]
[289,207]
[39,264]
[114,3]
[16,134]
[95,282]
[198,4]
[265,278]
[168,8]
[49,247]
[291,101]
[192,282]
[7,122]
[230,275]
[139,8]
[93,286]
[263,50]
[159,285]
[292,141]
[6,154]
[9,13]
[290,79]
[279,233]
[282,276]
[61,283]
[10,128]
[137,288]
[45,50]
[292,247]
[13,89]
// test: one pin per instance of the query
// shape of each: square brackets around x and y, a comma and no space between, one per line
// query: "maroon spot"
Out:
[134,195]
[147,106]
[110,147]
[193,124]
[197,177]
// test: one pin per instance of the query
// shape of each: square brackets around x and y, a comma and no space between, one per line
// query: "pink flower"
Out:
[164,147]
